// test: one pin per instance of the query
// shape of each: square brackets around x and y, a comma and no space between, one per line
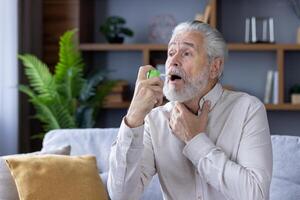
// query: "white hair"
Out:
[214,42]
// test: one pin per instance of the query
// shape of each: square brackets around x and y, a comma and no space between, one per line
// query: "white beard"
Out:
[191,88]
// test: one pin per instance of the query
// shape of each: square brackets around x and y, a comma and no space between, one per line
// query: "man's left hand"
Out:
[185,124]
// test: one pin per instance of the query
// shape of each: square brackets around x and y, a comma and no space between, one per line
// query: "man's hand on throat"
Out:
[185,124]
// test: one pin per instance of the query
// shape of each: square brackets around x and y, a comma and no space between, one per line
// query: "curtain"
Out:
[8,77]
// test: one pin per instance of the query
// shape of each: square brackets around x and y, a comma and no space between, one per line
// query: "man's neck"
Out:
[193,104]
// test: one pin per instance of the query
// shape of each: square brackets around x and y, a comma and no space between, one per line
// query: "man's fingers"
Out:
[205,108]
[160,100]
[155,81]
[207,104]
[142,75]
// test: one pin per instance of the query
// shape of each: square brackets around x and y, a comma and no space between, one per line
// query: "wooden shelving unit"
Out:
[146,49]
[87,45]
[122,47]
[283,107]
[163,47]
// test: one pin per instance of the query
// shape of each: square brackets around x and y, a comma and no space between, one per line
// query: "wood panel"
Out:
[58,17]
[30,41]
[87,16]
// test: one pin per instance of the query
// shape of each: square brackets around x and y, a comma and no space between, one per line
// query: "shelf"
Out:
[122,47]
[269,107]
[283,107]
[118,105]
[262,47]
[147,48]
[164,47]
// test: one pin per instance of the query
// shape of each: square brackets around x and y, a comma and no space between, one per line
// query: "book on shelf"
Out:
[114,98]
[275,88]
[118,93]
[271,88]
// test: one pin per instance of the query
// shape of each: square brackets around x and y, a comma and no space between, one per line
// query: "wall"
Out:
[8,77]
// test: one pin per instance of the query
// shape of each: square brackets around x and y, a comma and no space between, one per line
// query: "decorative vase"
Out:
[295,98]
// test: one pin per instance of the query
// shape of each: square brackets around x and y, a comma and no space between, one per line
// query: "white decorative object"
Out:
[259,30]
[161,28]
[295,98]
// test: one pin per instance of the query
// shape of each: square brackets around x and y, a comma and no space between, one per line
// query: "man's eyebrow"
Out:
[191,45]
[185,43]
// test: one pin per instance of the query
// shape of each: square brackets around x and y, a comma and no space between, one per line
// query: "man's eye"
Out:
[186,53]
[170,53]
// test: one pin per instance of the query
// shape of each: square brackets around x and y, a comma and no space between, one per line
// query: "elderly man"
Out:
[206,143]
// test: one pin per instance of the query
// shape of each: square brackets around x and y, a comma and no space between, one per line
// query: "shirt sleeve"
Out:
[131,163]
[247,178]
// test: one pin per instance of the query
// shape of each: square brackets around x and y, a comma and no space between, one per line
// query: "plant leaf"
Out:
[89,89]
[69,70]
[85,117]
[39,76]
[115,20]
[126,31]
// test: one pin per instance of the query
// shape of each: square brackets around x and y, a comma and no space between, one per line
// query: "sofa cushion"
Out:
[45,177]
[286,168]
[8,189]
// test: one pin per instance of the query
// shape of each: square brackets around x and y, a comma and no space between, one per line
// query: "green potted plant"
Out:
[66,98]
[295,94]
[114,31]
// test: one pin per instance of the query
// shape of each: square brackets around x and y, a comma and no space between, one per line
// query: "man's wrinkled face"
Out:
[187,67]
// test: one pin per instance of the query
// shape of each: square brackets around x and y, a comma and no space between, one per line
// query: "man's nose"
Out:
[175,61]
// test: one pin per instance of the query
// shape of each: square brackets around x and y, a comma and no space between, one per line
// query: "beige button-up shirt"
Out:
[231,160]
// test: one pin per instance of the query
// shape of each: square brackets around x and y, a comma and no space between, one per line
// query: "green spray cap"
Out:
[153,73]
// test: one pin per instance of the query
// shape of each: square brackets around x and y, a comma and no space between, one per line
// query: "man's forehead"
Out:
[190,39]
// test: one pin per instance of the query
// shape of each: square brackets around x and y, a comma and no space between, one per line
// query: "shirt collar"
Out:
[213,96]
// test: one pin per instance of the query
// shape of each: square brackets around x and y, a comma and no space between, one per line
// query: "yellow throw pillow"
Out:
[47,177]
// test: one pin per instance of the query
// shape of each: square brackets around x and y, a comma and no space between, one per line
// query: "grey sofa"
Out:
[286,155]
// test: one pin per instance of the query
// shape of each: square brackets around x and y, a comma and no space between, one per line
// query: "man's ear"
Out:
[215,68]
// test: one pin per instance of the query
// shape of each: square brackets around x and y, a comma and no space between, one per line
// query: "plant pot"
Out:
[295,98]
[115,40]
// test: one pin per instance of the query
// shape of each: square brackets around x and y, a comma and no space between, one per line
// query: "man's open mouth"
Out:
[174,77]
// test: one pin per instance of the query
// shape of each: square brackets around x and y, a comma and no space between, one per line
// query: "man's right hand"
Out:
[148,93]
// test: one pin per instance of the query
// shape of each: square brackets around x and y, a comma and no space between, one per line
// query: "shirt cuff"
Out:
[198,147]
[131,136]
